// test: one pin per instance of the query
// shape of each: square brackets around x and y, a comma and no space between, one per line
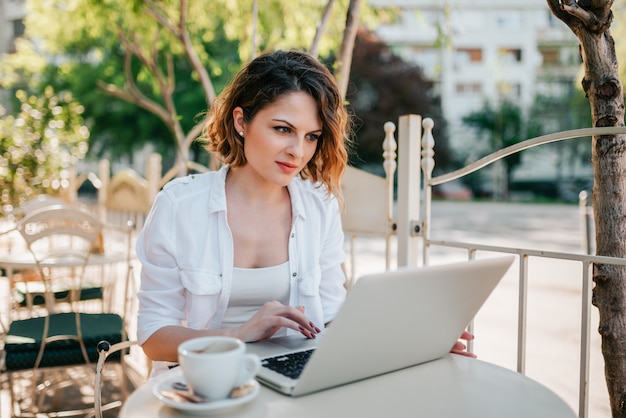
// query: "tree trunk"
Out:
[590,22]
[344,61]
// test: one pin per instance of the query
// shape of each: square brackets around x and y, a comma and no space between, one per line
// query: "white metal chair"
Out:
[29,286]
[61,335]
[106,350]
[38,202]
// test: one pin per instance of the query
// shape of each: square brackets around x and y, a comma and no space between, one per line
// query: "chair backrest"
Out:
[127,199]
[366,212]
[369,203]
[64,220]
[39,202]
[61,238]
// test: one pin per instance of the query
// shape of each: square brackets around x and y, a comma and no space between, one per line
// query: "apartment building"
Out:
[479,50]
[12,14]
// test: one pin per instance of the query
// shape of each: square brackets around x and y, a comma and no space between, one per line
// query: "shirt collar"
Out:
[217,201]
[295,192]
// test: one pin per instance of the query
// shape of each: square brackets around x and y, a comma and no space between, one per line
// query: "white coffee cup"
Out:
[214,366]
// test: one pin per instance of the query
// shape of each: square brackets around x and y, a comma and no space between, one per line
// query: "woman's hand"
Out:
[272,317]
[461,348]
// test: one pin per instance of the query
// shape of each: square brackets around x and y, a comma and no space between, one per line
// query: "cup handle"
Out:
[250,365]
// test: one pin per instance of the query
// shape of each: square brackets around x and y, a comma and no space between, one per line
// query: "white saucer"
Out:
[202,408]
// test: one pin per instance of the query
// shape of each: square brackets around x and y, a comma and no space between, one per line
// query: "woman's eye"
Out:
[283,129]
[313,137]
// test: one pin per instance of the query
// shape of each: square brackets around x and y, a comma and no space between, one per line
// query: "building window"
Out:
[469,88]
[18,28]
[550,56]
[469,54]
[510,55]
[511,19]
[18,31]
[509,91]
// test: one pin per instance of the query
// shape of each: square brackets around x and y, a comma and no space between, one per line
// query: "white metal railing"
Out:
[416,154]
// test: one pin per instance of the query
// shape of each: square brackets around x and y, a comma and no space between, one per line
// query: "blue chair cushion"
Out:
[24,337]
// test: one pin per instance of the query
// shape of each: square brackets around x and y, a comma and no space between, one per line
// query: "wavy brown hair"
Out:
[260,83]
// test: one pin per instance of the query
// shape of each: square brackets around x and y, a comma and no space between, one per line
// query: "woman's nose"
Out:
[296,147]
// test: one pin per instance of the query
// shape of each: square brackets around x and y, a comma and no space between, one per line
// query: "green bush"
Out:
[38,145]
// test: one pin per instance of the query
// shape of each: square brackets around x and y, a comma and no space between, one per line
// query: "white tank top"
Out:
[251,288]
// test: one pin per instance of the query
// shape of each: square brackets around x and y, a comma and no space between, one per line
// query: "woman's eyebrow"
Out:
[292,126]
[283,121]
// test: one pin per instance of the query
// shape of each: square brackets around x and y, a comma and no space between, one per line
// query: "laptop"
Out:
[389,321]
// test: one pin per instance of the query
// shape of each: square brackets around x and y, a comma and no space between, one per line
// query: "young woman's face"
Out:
[281,138]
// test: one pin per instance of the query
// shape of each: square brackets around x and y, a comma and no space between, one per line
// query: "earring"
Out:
[241,134]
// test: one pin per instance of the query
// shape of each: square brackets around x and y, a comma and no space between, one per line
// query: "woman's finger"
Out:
[275,314]
[284,322]
[467,336]
[464,353]
[297,315]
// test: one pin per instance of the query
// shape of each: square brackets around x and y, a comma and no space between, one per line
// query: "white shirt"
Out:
[251,288]
[186,252]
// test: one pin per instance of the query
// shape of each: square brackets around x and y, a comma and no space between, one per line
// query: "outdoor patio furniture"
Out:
[106,350]
[29,286]
[63,332]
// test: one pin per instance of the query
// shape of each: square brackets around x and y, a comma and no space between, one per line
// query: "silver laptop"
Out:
[388,321]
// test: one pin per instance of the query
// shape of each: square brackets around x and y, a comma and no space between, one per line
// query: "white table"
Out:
[14,262]
[453,386]
[23,261]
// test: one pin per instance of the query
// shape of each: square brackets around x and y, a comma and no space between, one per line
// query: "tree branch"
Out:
[153,11]
[192,56]
[255,25]
[572,7]
[193,134]
[321,27]
[132,93]
[594,15]
[139,100]
[347,46]
[180,32]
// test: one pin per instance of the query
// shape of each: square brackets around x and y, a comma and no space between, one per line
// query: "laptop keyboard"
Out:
[290,365]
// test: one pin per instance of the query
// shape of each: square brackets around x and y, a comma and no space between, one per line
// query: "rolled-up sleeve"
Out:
[161,294]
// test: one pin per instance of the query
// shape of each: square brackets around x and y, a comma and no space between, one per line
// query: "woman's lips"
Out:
[287,167]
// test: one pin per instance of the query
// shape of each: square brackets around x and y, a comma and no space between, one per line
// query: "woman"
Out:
[254,249]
